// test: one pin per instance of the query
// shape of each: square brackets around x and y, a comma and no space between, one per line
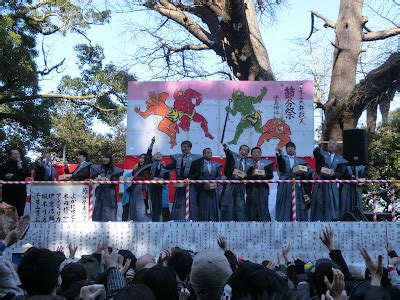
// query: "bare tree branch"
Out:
[47,70]
[170,11]
[189,47]
[328,23]
[382,34]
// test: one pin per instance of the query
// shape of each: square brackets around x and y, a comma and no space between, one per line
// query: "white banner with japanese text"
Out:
[256,241]
[59,203]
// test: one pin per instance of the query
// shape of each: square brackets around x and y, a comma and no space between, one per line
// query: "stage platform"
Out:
[256,241]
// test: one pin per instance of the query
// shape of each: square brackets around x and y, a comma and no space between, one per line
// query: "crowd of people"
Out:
[177,273]
[208,201]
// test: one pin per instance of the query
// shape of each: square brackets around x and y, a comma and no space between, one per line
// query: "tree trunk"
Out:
[371,117]
[349,36]
[243,43]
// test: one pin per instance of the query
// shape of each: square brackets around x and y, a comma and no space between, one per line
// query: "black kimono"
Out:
[258,193]
[233,202]
[15,194]
[207,198]
[325,196]
[82,171]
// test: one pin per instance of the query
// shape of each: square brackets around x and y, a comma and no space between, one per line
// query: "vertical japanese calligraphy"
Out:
[59,203]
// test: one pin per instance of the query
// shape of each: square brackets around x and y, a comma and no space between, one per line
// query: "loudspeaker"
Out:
[355,146]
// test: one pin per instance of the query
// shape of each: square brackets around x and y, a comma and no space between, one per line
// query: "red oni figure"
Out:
[275,129]
[186,108]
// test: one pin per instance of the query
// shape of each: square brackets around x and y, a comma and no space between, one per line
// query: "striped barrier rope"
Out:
[358,181]
[294,213]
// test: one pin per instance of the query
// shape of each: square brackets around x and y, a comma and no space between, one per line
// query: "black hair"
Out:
[110,165]
[39,271]
[244,145]
[290,144]
[146,158]
[11,149]
[204,150]
[255,148]
[181,261]
[137,291]
[189,143]
[83,153]
[162,281]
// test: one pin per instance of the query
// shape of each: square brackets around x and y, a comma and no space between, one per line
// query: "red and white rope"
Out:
[187,203]
[393,202]
[91,197]
[294,200]
[362,181]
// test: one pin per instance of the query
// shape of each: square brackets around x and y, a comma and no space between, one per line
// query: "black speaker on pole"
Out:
[355,146]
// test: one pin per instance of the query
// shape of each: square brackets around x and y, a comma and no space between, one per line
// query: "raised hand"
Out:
[72,250]
[336,287]
[271,265]
[285,252]
[164,255]
[60,249]
[92,292]
[101,245]
[222,242]
[326,237]
[111,258]
[376,270]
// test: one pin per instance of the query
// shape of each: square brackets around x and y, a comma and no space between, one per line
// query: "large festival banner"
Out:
[267,114]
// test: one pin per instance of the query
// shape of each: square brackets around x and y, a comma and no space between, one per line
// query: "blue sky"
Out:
[293,21]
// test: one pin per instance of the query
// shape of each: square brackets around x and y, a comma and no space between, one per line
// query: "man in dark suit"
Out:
[82,171]
[15,169]
[207,196]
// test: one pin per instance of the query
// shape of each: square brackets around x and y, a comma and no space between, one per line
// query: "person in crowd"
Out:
[139,199]
[138,291]
[157,171]
[210,272]
[15,169]
[325,196]
[207,196]
[82,171]
[207,274]
[105,206]
[73,278]
[258,193]
[182,163]
[286,166]
[44,169]
[233,204]
[39,273]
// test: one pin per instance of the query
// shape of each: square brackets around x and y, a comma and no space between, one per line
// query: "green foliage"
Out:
[27,118]
[107,81]
[70,128]
[384,149]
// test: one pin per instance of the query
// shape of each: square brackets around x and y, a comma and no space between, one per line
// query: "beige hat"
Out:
[210,270]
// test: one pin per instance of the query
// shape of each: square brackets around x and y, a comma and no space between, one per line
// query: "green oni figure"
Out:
[250,116]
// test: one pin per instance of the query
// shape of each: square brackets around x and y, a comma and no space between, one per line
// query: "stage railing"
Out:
[394,184]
